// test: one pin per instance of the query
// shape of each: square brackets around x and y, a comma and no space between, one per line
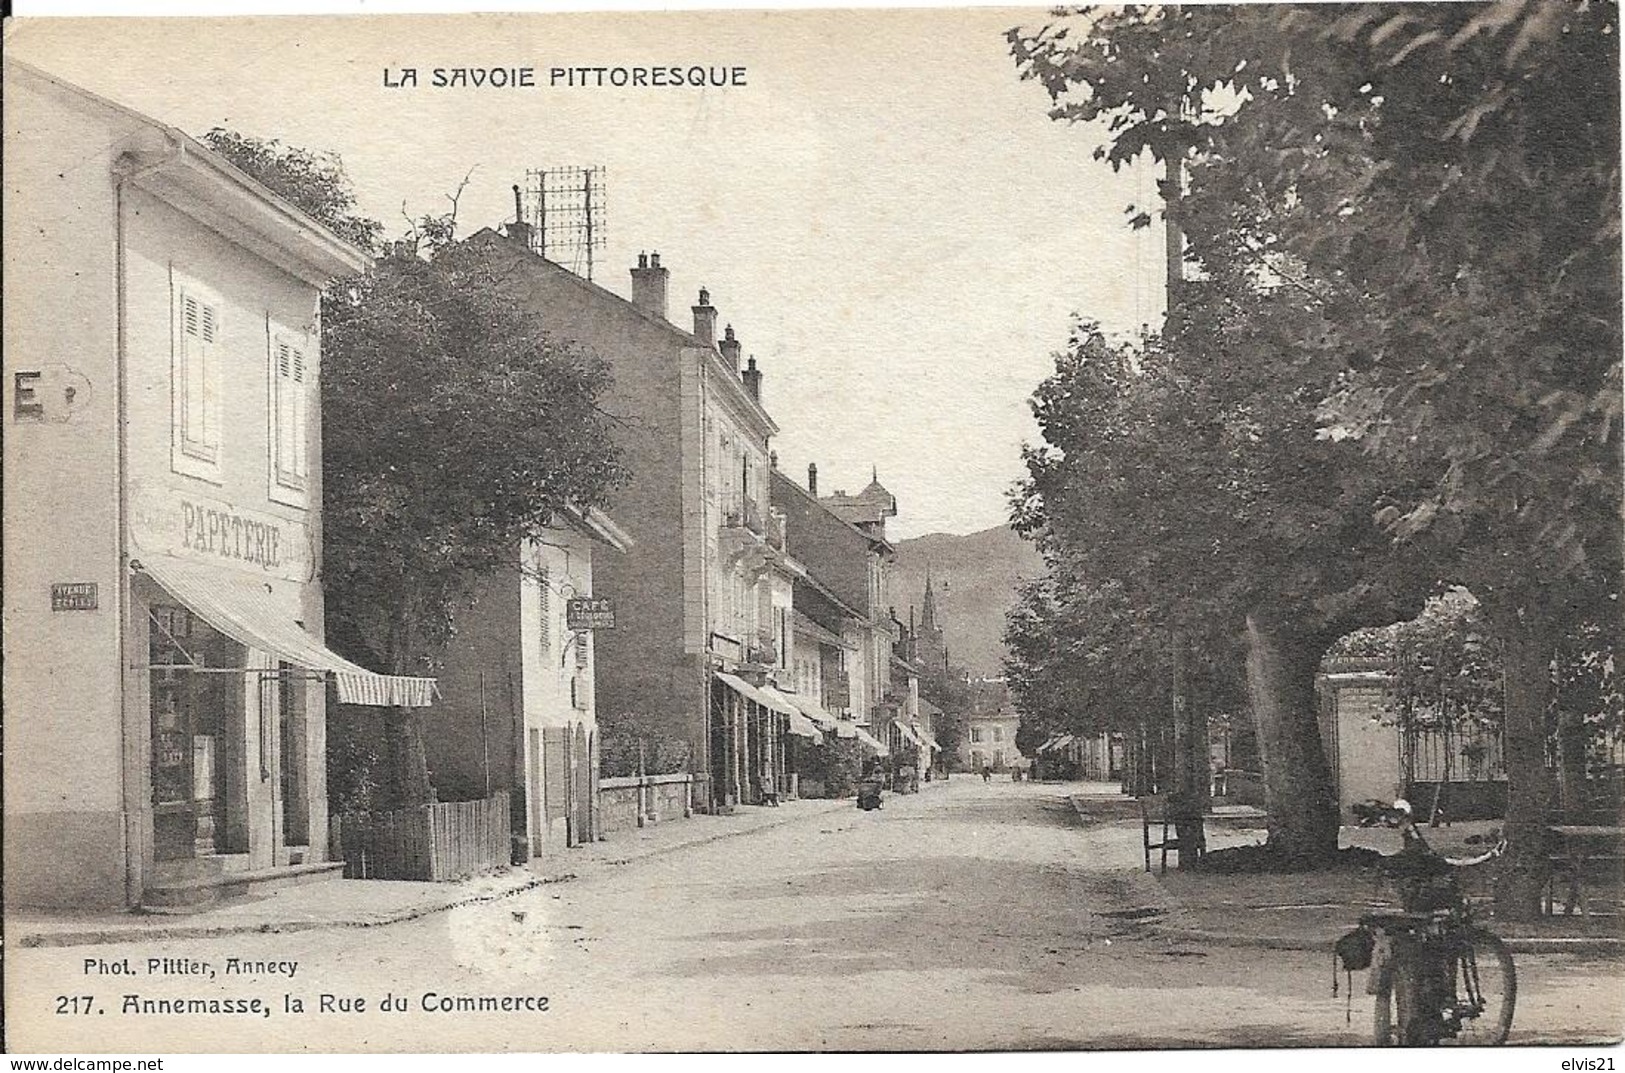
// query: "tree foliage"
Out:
[453,427]
[1404,223]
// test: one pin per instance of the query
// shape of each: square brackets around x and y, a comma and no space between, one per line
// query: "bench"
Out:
[1156,811]
[1580,853]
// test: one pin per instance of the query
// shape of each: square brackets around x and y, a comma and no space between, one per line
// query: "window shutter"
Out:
[299,456]
[545,619]
[199,385]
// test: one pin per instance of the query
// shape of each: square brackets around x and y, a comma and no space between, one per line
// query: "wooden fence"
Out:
[436,842]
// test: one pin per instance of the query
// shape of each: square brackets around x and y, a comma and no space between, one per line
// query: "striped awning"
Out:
[243,608]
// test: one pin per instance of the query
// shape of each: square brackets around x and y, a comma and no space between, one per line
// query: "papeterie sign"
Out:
[590,613]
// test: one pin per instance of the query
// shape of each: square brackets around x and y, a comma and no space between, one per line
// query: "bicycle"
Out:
[1438,977]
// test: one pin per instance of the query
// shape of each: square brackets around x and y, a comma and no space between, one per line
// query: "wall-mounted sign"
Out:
[73,596]
[590,613]
[188,526]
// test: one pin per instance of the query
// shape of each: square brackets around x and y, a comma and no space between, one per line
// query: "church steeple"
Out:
[928,612]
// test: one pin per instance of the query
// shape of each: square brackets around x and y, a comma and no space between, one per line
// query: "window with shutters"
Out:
[196,381]
[291,392]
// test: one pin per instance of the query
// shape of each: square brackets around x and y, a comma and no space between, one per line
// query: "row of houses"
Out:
[168,686]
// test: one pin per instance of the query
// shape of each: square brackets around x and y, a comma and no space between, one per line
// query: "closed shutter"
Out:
[556,771]
[290,410]
[544,620]
[199,409]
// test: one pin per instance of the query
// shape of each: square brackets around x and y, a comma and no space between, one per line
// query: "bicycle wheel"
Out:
[1485,982]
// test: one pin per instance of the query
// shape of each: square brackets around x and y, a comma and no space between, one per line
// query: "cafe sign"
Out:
[590,613]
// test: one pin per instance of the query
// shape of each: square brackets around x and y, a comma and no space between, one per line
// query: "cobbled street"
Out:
[971,916]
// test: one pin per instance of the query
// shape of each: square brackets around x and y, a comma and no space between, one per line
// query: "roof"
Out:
[678,336]
[179,169]
[872,506]
[805,625]
[598,525]
[785,481]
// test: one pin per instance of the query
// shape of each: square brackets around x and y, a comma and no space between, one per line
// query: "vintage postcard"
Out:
[979,529]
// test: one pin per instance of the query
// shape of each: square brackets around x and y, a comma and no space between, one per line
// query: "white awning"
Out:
[875,744]
[799,723]
[242,608]
[930,742]
[819,716]
[907,733]
[757,695]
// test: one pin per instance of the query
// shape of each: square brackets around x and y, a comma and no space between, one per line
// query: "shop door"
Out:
[196,709]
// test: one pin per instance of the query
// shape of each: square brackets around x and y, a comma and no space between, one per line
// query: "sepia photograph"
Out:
[881,531]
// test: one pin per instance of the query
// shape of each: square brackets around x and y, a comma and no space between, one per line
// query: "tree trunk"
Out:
[1190,766]
[408,759]
[1527,666]
[1281,667]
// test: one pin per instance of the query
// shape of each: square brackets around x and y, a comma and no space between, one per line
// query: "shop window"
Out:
[290,407]
[196,382]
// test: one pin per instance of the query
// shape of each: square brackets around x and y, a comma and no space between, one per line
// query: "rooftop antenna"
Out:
[565,210]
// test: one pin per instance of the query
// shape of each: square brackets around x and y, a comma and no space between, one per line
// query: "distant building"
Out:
[990,729]
[165,721]
[703,598]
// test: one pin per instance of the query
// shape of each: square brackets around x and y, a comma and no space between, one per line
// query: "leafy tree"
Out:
[1438,184]
[314,181]
[453,428]
[1182,484]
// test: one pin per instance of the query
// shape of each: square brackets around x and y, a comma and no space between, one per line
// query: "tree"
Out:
[1439,184]
[454,427]
[1184,479]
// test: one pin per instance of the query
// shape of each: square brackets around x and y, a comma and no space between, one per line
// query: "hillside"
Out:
[975,577]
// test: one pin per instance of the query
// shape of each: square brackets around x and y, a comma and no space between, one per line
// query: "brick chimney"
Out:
[730,347]
[812,477]
[649,285]
[705,320]
[753,380]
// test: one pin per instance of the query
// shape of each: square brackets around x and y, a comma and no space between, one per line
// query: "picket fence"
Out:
[438,842]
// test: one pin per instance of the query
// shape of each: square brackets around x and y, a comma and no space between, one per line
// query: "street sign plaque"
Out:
[74,596]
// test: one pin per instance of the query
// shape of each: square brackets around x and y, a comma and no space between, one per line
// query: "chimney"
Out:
[730,347]
[649,285]
[753,380]
[705,320]
[812,477]
[519,230]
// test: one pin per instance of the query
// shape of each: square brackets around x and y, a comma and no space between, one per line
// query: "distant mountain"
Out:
[975,577]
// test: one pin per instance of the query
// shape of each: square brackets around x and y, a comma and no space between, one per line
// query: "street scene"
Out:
[922,530]
[971,916]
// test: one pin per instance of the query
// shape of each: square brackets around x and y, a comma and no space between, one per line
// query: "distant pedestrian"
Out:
[987,773]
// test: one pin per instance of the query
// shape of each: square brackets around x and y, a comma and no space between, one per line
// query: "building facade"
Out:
[164,680]
[705,589]
[517,711]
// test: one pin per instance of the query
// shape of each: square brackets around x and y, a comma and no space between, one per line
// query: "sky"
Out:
[884,211]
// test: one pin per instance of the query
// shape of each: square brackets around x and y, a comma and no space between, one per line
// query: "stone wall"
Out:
[625,804]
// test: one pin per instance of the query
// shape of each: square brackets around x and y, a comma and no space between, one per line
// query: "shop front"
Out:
[230,698]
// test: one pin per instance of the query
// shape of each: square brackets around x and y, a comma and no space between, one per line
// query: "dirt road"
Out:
[968,917]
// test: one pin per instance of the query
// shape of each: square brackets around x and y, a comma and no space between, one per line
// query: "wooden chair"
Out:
[1156,812]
